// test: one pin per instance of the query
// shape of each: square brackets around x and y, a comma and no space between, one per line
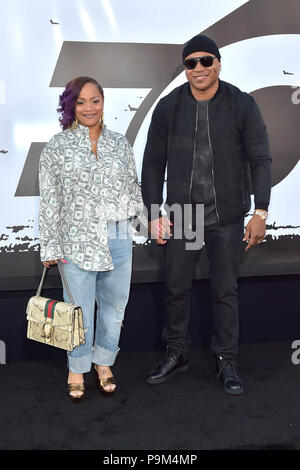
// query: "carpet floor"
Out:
[189,412]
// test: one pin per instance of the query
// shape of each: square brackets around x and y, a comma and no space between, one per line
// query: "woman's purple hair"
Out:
[67,99]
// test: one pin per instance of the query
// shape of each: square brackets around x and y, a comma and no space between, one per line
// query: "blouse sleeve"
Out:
[50,202]
[133,186]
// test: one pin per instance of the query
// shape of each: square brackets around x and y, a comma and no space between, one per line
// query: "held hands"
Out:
[160,229]
[48,264]
[255,231]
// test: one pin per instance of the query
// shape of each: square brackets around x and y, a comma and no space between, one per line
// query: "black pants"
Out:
[224,248]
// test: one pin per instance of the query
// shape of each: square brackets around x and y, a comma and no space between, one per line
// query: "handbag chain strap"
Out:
[64,279]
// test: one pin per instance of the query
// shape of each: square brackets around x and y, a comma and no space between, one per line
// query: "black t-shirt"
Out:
[202,183]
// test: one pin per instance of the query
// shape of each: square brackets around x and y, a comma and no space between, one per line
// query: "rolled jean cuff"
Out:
[104,357]
[79,365]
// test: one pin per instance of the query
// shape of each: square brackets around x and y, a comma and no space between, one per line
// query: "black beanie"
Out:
[200,43]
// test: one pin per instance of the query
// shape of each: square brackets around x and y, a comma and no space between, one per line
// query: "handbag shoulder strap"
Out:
[64,280]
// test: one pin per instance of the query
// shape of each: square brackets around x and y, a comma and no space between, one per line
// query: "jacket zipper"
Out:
[243,187]
[212,165]
[192,172]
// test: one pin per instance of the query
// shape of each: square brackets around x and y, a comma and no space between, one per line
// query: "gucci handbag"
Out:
[53,322]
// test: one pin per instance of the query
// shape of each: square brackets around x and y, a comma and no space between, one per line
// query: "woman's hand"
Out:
[160,229]
[53,262]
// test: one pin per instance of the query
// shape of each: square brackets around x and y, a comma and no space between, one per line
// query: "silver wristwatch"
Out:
[261,213]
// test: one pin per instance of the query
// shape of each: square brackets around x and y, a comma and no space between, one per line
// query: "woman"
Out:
[88,193]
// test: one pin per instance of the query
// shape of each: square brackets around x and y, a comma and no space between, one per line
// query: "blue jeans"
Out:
[110,290]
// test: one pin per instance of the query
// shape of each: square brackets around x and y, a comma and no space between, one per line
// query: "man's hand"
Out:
[255,231]
[160,229]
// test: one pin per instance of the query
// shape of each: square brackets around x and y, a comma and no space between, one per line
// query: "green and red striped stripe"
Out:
[49,308]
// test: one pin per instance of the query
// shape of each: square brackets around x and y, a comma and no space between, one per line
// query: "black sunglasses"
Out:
[205,60]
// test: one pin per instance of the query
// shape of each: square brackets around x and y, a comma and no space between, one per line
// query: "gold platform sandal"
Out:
[75,390]
[79,390]
[103,383]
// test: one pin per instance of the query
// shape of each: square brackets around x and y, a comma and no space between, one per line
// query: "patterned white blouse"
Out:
[80,193]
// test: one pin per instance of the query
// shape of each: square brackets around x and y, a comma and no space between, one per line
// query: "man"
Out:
[206,132]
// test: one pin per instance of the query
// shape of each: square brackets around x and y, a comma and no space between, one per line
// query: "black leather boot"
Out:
[228,375]
[173,361]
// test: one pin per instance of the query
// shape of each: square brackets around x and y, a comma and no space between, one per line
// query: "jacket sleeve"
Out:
[155,160]
[257,150]
[50,203]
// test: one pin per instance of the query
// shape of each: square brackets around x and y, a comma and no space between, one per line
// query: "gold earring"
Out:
[74,125]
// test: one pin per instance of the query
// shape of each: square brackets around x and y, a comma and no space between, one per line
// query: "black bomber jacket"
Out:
[238,141]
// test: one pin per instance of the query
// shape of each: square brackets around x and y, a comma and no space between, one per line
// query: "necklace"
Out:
[93,142]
